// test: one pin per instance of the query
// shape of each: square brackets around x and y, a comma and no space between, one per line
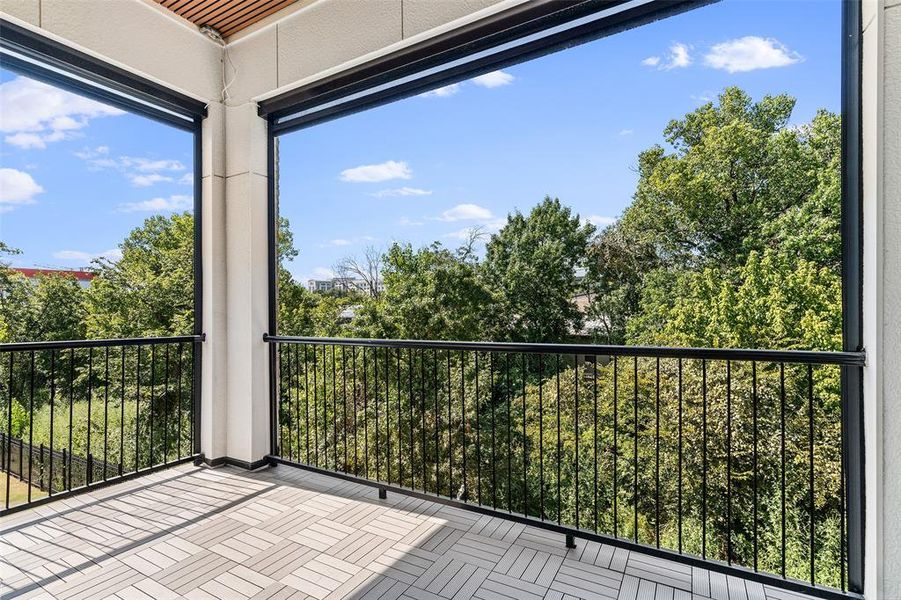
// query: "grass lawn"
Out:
[18,491]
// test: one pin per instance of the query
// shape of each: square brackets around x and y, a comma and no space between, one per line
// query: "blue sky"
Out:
[428,168]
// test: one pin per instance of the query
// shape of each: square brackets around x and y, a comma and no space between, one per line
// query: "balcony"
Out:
[288,533]
[235,462]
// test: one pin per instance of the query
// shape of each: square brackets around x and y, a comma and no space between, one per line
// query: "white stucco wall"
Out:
[883,173]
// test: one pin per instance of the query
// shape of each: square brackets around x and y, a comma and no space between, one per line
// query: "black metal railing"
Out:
[731,459]
[77,414]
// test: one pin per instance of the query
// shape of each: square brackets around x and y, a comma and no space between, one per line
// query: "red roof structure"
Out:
[77,274]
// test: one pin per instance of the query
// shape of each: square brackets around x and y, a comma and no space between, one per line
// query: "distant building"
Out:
[83,277]
[341,284]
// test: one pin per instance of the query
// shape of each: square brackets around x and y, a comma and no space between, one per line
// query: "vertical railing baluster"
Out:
[576,424]
[782,454]
[52,406]
[842,507]
[595,445]
[559,456]
[365,413]
[755,468]
[335,408]
[478,433]
[704,459]
[306,398]
[812,491]
[137,413]
[525,460]
[375,387]
[437,423]
[493,430]
[294,359]
[122,413]
[88,475]
[71,412]
[400,430]
[325,440]
[422,411]
[541,434]
[465,488]
[9,425]
[635,449]
[344,402]
[316,407]
[680,457]
[166,405]
[509,434]
[729,462]
[615,446]
[106,413]
[353,360]
[30,424]
[410,371]
[657,452]
[152,399]
[388,412]
[450,432]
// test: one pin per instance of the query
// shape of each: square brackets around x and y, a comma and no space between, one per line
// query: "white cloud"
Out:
[402,191]
[17,188]
[493,79]
[408,222]
[466,212]
[174,203]
[147,180]
[186,179]
[140,171]
[385,171]
[679,57]
[339,242]
[92,153]
[26,141]
[145,165]
[442,92]
[750,53]
[600,221]
[86,257]
[35,114]
[626,131]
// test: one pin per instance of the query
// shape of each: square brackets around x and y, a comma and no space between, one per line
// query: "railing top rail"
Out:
[741,354]
[66,344]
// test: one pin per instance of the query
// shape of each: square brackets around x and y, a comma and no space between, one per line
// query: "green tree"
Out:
[149,290]
[738,180]
[531,265]
[430,293]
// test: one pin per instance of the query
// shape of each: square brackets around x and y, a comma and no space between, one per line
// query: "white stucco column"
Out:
[214,410]
[246,251]
[881,120]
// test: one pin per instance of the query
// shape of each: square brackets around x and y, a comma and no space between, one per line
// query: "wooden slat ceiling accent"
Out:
[225,16]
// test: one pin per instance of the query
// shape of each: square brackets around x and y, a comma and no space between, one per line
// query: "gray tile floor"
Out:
[284,533]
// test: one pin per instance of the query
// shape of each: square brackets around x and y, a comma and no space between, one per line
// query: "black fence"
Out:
[33,463]
[78,414]
[731,459]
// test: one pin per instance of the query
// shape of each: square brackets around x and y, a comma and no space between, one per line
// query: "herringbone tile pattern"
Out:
[286,534]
